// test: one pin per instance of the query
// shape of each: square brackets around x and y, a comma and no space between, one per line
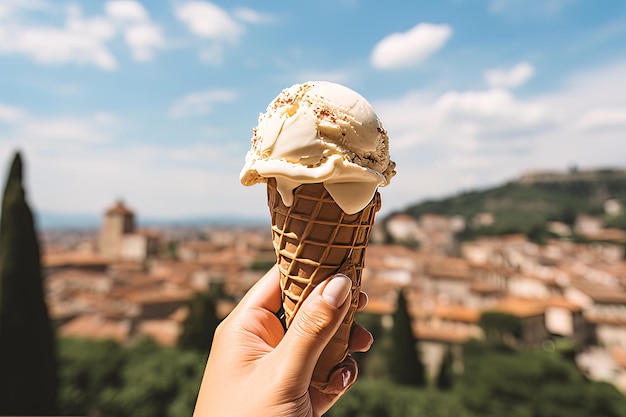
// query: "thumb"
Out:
[315,323]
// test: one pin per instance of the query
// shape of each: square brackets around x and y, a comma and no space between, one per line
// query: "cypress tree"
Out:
[28,379]
[199,327]
[405,365]
[445,377]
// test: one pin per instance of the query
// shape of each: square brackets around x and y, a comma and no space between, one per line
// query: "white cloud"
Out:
[155,180]
[248,15]
[104,117]
[10,114]
[143,39]
[48,132]
[208,20]
[200,102]
[407,49]
[141,35]
[512,78]
[10,8]
[602,118]
[83,165]
[81,41]
[491,113]
[126,10]
[454,140]
[217,28]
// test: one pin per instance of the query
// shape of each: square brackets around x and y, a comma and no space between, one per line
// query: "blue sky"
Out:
[154,102]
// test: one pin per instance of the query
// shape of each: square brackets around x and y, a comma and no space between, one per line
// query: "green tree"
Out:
[445,377]
[28,373]
[405,365]
[200,325]
[87,368]
[534,383]
[568,215]
[501,328]
[384,399]
[155,382]
[373,363]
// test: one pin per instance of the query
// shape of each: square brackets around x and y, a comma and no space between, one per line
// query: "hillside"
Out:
[527,203]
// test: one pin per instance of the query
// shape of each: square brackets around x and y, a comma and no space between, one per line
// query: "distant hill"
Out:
[527,203]
[48,221]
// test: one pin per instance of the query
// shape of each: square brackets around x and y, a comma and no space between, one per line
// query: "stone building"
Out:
[119,239]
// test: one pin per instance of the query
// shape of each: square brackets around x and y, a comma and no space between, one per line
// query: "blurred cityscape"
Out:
[121,282]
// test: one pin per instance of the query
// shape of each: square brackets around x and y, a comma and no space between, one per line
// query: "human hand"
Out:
[255,368]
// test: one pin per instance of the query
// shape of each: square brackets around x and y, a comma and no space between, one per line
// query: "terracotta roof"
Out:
[384,250]
[224,308]
[598,292]
[199,245]
[179,315]
[427,332]
[453,268]
[619,356]
[483,287]
[520,307]
[563,303]
[599,319]
[534,277]
[617,269]
[127,266]
[67,259]
[75,274]
[434,217]
[158,295]
[164,332]
[96,327]
[616,235]
[457,313]
[511,238]
[402,217]
[379,306]
[149,233]
[119,208]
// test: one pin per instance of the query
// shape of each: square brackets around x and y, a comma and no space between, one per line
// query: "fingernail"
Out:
[346,377]
[336,290]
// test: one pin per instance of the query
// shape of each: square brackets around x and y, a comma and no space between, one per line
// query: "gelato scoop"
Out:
[323,153]
[321,132]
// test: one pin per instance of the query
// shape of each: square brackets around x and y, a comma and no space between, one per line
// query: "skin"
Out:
[255,368]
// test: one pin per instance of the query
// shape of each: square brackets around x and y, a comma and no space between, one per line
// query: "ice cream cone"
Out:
[315,239]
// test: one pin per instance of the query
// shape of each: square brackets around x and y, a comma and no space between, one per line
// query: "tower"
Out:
[118,221]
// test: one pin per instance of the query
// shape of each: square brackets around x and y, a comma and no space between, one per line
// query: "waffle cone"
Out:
[314,239]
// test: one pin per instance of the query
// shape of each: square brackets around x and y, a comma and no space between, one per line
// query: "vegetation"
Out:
[28,379]
[144,379]
[374,364]
[526,207]
[87,368]
[140,380]
[496,383]
[200,324]
[501,328]
[445,376]
[105,378]
[533,383]
[385,399]
[405,365]
[262,264]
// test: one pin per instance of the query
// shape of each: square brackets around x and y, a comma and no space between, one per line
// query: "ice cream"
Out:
[321,132]
[323,153]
